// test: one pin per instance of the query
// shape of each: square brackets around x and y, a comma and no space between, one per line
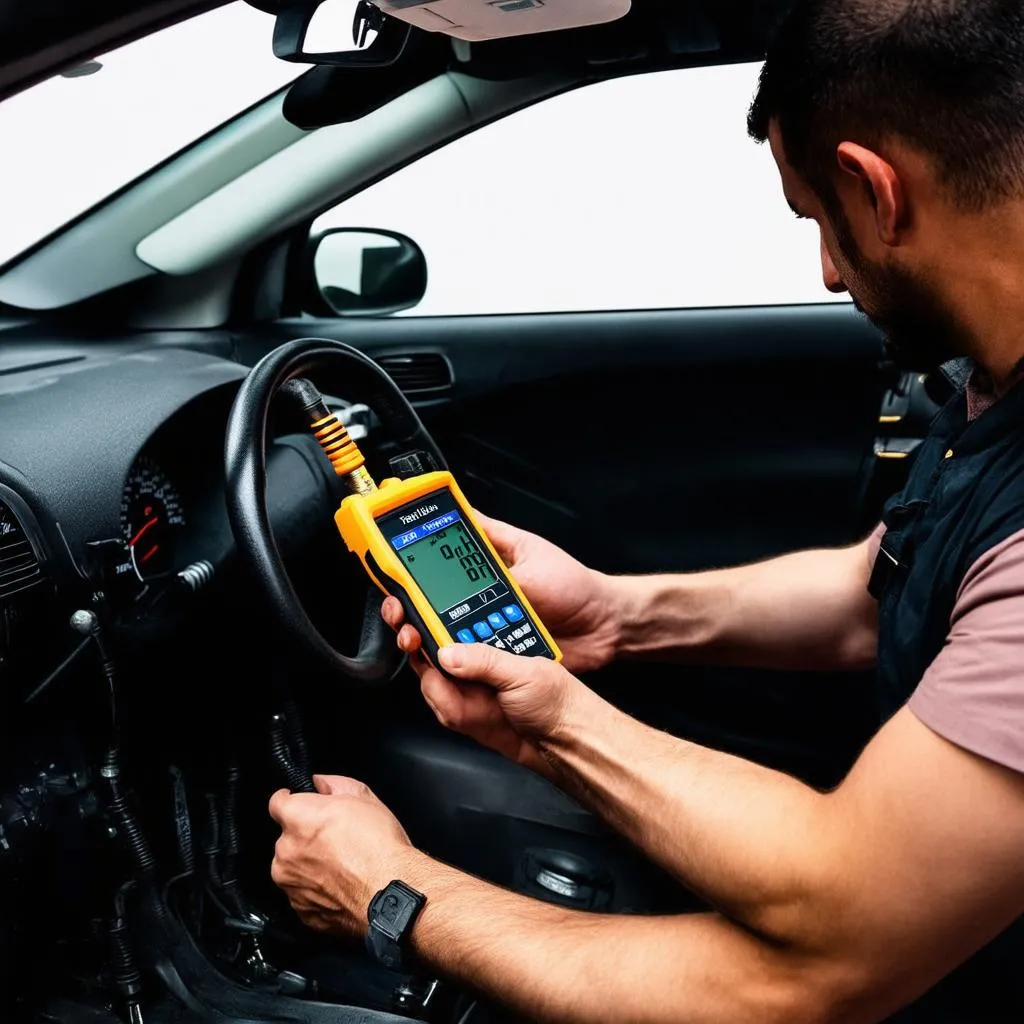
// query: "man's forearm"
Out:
[809,610]
[553,964]
[742,836]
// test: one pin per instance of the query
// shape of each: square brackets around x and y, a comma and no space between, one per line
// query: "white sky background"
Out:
[641,193]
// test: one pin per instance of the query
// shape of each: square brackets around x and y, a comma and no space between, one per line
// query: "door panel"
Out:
[654,441]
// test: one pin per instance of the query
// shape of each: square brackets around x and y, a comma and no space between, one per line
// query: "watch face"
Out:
[393,908]
[390,910]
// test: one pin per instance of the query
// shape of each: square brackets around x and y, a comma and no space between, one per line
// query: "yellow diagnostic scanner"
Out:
[420,542]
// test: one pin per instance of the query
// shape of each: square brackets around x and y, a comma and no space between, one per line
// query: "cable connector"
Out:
[332,435]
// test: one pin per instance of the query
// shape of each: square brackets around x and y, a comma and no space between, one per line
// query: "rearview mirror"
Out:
[349,33]
[365,272]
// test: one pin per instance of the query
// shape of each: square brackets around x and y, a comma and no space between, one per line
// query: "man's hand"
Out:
[578,605]
[506,702]
[338,847]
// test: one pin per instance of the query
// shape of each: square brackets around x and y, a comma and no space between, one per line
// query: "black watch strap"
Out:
[391,914]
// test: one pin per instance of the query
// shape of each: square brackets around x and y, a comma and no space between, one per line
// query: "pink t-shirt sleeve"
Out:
[973,692]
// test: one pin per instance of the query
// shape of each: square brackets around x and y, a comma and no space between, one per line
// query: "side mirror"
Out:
[365,272]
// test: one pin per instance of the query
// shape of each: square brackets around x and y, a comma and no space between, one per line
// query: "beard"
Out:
[920,332]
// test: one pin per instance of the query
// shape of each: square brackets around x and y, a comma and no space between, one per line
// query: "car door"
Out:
[625,346]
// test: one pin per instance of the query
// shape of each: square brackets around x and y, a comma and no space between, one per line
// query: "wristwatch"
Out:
[392,913]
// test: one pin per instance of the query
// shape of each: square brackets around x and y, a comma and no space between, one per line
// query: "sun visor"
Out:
[477,20]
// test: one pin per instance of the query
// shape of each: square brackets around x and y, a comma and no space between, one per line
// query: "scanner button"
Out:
[465,637]
[482,630]
[513,612]
[497,620]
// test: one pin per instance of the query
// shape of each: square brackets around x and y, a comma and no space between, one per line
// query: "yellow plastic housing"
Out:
[356,520]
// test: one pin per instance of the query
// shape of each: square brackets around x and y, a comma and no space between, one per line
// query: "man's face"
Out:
[901,300]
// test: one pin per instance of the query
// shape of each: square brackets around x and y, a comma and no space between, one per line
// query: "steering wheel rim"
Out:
[245,466]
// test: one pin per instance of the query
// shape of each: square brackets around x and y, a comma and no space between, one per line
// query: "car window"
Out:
[73,139]
[640,193]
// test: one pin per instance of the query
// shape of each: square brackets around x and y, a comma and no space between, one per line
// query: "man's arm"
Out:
[917,820]
[809,610]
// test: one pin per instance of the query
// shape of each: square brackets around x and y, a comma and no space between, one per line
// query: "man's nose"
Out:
[829,274]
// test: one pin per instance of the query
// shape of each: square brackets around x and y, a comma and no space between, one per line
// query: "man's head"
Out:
[898,125]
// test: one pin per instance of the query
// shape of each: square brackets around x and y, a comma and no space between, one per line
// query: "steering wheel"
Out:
[245,463]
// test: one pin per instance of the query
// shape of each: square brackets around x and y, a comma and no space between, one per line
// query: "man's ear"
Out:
[880,185]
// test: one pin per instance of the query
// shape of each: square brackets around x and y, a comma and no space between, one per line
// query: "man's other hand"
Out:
[338,847]
[576,604]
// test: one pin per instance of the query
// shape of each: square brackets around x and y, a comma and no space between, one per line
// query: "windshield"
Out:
[72,140]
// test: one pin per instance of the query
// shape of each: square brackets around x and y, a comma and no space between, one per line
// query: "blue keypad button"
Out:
[497,620]
[482,630]
[513,612]
[465,637]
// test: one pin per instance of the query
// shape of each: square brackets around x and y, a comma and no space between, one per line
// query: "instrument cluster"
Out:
[152,520]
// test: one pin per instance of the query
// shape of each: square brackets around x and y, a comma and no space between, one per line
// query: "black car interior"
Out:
[174,596]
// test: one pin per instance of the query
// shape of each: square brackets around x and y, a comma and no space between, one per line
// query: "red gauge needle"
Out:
[150,553]
[142,529]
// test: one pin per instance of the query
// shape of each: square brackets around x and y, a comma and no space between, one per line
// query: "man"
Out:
[898,126]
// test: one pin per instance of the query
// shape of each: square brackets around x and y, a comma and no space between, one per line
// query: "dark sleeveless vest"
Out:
[964,495]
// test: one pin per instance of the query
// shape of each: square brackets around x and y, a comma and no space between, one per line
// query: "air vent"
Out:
[19,566]
[418,373]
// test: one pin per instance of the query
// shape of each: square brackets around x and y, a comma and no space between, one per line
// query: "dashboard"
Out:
[111,483]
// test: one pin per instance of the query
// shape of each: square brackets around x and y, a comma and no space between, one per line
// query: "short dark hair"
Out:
[946,76]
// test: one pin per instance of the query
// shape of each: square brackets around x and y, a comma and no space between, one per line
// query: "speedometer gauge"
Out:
[151,518]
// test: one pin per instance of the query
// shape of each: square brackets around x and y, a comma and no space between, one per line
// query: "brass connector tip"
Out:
[360,482]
